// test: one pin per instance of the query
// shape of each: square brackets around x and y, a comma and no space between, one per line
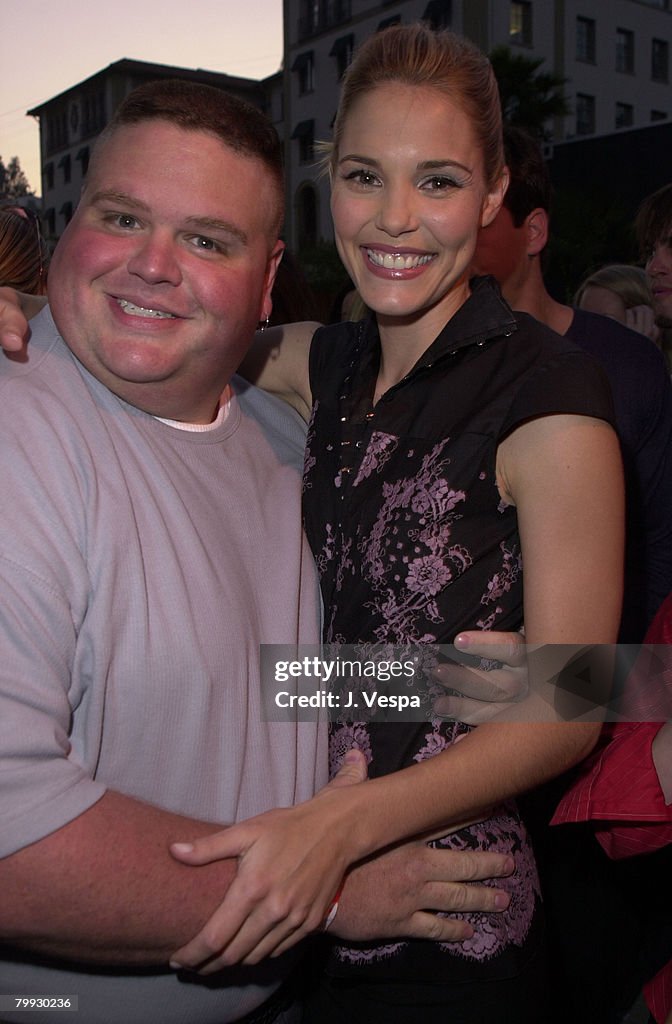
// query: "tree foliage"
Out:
[13,182]
[529,97]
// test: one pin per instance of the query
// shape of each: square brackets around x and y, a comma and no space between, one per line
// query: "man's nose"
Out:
[155,260]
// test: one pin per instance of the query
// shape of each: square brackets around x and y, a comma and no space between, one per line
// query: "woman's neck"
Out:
[403,341]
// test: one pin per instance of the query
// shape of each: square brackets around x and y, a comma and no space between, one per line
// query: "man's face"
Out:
[160,279]
[501,250]
[659,273]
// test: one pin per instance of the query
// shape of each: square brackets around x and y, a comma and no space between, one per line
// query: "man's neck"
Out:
[530,296]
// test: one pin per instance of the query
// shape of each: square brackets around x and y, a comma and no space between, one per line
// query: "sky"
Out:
[46,46]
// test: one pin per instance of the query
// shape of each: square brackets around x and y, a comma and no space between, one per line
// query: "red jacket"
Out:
[618,788]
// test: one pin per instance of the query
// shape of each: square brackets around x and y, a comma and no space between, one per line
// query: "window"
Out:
[585,114]
[305,134]
[585,40]
[660,53]
[83,157]
[306,216]
[625,50]
[65,164]
[658,115]
[625,115]
[438,14]
[520,23]
[49,175]
[304,66]
[318,15]
[66,212]
[342,50]
[387,22]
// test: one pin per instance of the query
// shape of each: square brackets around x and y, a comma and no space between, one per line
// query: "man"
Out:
[150,540]
[595,974]
[511,249]
[653,226]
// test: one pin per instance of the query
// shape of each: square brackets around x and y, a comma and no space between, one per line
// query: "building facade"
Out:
[614,56]
[71,122]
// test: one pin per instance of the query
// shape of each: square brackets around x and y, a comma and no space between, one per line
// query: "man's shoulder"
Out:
[281,424]
[615,344]
[44,349]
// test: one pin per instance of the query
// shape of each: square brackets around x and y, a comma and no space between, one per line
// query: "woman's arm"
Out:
[564,475]
[277,361]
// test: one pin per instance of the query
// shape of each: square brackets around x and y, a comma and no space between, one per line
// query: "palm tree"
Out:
[530,98]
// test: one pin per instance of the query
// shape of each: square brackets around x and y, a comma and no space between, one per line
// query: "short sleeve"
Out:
[569,382]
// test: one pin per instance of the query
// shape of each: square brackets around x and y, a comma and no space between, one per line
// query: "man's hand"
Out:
[480,695]
[397,894]
[15,311]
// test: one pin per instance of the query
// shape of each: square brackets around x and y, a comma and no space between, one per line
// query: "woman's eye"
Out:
[440,183]
[362,177]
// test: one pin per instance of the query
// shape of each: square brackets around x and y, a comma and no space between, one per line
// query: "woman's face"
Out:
[408,198]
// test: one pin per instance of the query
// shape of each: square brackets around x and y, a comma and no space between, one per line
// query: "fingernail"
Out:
[182,847]
[502,900]
[175,966]
[461,640]
[509,866]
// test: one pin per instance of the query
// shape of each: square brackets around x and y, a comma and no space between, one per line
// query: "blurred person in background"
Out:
[622,292]
[24,255]
[511,249]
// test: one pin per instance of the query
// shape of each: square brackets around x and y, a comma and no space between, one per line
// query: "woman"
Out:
[449,438]
[622,292]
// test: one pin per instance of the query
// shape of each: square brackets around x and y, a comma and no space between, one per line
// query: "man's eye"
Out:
[205,244]
[125,220]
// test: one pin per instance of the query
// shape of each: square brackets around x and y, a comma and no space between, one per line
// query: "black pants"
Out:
[519,1000]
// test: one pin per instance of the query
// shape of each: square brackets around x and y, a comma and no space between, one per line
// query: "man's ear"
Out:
[269,279]
[492,203]
[536,226]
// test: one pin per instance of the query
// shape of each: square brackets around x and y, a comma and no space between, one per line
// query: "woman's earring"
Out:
[263,324]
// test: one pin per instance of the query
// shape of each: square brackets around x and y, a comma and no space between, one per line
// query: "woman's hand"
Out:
[15,311]
[642,319]
[291,863]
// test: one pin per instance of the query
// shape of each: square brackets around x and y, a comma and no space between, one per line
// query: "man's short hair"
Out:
[530,185]
[654,219]
[197,107]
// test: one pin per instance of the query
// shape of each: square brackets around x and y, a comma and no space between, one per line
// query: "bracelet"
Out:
[333,908]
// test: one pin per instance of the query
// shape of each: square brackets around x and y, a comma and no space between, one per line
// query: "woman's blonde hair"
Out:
[628,282]
[417,55]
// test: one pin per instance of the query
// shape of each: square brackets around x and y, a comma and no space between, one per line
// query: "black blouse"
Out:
[413,544]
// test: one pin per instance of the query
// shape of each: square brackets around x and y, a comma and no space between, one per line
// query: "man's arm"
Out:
[104,888]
